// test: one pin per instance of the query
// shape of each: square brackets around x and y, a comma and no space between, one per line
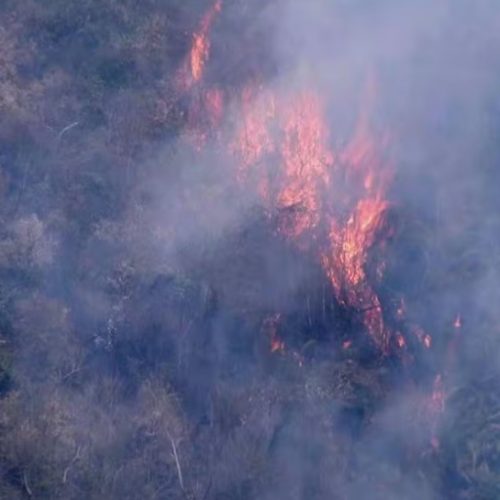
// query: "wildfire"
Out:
[306,162]
[290,133]
[204,116]
[350,241]
[201,43]
[254,141]
[327,199]
[277,345]
[192,72]
[270,326]
[283,146]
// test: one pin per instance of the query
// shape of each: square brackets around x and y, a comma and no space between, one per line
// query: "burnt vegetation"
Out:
[161,337]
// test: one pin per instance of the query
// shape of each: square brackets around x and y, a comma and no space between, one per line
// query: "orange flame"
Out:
[306,162]
[204,116]
[253,138]
[293,130]
[351,241]
[277,345]
[270,325]
[331,202]
[194,68]
[200,49]
[290,133]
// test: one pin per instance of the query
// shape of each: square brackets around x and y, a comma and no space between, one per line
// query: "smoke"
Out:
[169,338]
[435,75]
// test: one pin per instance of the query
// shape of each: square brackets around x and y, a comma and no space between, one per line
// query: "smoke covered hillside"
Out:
[249,250]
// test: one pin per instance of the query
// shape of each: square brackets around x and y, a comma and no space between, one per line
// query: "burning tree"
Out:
[249,250]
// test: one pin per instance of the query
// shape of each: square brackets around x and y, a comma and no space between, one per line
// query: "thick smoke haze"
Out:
[436,72]
[162,335]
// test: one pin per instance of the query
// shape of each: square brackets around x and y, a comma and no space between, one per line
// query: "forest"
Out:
[249,250]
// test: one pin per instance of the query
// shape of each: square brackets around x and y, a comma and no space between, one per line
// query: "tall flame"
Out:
[284,142]
[291,131]
[306,161]
[193,69]
[328,199]
[368,178]
[201,42]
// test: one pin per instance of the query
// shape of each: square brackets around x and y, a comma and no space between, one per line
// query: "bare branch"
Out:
[73,460]
[177,463]
[26,485]
[67,129]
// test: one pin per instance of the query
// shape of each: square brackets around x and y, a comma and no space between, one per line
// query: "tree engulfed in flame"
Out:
[329,200]
[306,161]
[284,145]
[328,197]
[291,131]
